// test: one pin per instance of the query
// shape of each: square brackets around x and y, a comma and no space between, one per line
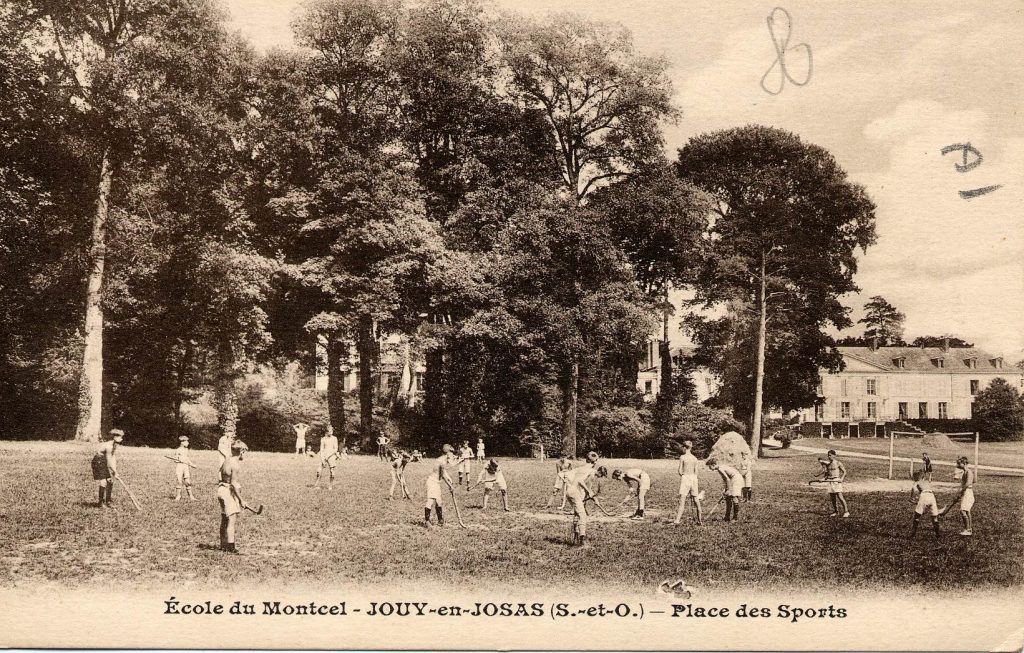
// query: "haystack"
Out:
[938,441]
[729,449]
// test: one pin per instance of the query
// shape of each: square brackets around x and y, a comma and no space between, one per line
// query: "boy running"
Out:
[966,495]
[229,495]
[182,474]
[328,457]
[300,437]
[643,483]
[104,467]
[438,473]
[835,474]
[922,491]
[688,483]
[465,463]
[492,477]
[563,465]
[733,481]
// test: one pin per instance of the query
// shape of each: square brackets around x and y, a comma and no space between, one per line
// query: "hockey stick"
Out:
[715,507]
[130,495]
[177,461]
[256,511]
[458,513]
[598,504]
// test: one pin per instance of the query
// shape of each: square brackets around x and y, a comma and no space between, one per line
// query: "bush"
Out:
[270,401]
[619,431]
[999,412]
[701,424]
[934,425]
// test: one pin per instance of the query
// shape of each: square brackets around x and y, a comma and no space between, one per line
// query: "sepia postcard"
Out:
[512,325]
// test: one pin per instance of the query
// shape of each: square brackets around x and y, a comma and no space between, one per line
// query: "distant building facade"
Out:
[397,369]
[884,384]
[648,378]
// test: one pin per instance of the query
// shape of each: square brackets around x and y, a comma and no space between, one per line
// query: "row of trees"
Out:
[494,187]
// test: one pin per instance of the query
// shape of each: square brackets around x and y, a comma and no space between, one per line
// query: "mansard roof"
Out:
[921,359]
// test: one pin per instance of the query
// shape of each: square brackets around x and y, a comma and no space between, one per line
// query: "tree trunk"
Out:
[570,388]
[433,394]
[226,398]
[337,351]
[762,316]
[184,363]
[90,388]
[367,356]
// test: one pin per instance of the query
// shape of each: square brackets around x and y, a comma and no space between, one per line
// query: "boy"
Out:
[182,474]
[229,495]
[922,491]
[491,476]
[480,448]
[563,465]
[399,459]
[733,481]
[438,473]
[300,437]
[465,463]
[688,484]
[104,467]
[328,457]
[835,474]
[643,484]
[382,446]
[747,469]
[576,491]
[224,447]
[966,495]
[926,463]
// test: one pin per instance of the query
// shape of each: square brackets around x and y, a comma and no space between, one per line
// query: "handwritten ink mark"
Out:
[978,192]
[781,48]
[967,148]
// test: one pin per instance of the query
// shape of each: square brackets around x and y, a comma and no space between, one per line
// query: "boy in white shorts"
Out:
[747,469]
[642,481]
[229,495]
[300,437]
[182,474]
[492,477]
[563,465]
[733,481]
[577,491]
[922,490]
[465,464]
[328,457]
[835,474]
[966,495]
[688,483]
[438,473]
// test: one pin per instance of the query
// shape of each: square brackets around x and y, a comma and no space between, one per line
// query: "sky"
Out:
[891,84]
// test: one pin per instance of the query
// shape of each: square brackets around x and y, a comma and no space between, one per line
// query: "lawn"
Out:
[998,454]
[53,533]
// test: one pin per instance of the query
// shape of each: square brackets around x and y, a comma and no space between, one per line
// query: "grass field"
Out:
[997,454]
[52,533]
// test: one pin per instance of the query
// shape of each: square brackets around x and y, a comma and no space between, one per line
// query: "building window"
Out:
[819,412]
[922,410]
[939,363]
[975,384]
[872,410]
[904,410]
[419,381]
[972,363]
[844,410]
[648,387]
[898,362]
[997,363]
[843,385]
[872,387]
[942,410]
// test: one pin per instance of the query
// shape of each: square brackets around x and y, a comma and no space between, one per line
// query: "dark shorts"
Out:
[99,468]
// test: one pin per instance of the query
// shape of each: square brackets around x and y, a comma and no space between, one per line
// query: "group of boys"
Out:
[926,501]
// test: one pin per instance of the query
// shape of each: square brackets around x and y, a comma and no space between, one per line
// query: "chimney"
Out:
[945,343]
[874,343]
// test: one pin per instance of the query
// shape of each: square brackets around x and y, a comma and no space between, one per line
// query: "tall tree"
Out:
[783,242]
[999,412]
[603,104]
[91,39]
[882,321]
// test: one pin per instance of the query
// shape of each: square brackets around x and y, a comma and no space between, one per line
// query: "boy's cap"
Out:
[116,433]
[592,456]
[832,452]
[182,438]
[688,444]
[448,448]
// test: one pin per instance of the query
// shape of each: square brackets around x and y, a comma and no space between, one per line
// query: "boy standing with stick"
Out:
[229,495]
[643,483]
[922,490]
[966,495]
[438,473]
[563,465]
[688,490]
[104,467]
[835,474]
[328,457]
[182,474]
[576,491]
[491,476]
[733,488]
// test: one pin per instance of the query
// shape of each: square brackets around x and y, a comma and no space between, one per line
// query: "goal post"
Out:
[914,434]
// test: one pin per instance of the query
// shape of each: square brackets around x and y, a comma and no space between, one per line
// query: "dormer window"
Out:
[939,362]
[997,363]
[899,363]
[971,363]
